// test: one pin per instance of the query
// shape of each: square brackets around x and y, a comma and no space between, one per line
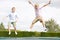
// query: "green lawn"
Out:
[4,33]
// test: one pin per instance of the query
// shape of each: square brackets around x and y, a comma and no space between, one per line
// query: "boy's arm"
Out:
[16,18]
[30,3]
[45,4]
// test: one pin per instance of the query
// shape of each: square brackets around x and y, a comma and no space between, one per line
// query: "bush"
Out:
[52,26]
[2,26]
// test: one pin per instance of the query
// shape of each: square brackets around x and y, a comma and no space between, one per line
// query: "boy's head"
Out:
[13,9]
[36,5]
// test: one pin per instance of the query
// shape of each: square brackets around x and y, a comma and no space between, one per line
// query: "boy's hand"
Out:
[29,2]
[45,4]
[49,1]
[16,20]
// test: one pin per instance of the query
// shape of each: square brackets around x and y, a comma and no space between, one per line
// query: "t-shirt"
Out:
[12,17]
[37,12]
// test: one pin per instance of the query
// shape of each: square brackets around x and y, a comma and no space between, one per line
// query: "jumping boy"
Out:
[12,20]
[38,17]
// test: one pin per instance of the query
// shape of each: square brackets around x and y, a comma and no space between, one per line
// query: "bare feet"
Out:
[9,32]
[15,32]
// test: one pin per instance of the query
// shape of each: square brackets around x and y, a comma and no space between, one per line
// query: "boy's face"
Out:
[13,9]
[36,5]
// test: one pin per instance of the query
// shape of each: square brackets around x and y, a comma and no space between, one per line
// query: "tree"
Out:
[52,26]
[2,26]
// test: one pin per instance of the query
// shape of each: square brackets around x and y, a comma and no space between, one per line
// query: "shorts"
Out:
[13,23]
[37,19]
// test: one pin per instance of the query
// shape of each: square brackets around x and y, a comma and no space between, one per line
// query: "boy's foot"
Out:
[9,33]
[45,29]
[15,32]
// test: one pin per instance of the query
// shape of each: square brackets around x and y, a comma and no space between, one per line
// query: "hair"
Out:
[13,7]
[36,4]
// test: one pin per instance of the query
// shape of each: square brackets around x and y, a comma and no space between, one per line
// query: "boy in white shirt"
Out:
[12,20]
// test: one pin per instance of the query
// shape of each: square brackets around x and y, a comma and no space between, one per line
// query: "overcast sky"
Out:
[55,3]
[26,12]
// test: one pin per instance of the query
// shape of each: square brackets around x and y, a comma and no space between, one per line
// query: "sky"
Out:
[26,13]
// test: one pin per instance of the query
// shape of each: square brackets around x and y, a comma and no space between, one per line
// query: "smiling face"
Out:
[13,9]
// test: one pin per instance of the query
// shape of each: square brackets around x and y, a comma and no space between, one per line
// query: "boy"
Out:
[12,20]
[38,17]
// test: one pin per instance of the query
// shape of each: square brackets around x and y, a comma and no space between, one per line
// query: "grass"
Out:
[4,33]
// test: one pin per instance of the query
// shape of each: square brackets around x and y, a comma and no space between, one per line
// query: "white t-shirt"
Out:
[12,17]
[37,12]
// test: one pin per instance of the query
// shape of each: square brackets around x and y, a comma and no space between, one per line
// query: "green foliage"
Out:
[52,26]
[2,26]
[53,31]
[4,33]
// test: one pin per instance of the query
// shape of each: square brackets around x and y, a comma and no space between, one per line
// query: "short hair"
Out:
[13,7]
[36,4]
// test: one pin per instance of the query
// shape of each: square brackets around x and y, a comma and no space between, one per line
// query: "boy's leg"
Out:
[9,24]
[42,21]
[34,21]
[14,25]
